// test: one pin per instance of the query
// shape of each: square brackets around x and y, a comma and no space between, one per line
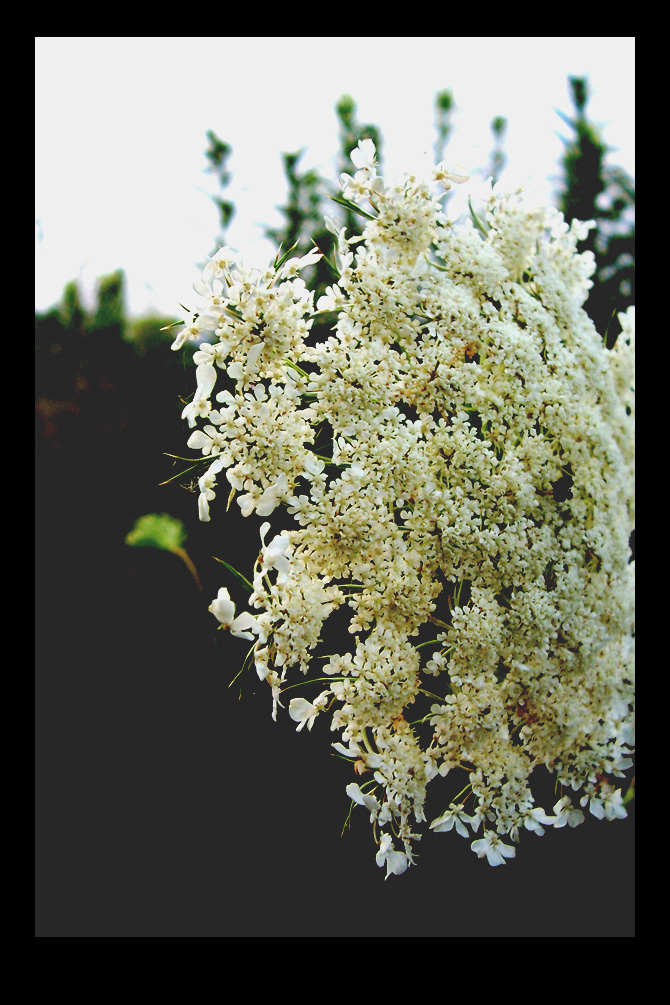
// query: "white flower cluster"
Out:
[479,486]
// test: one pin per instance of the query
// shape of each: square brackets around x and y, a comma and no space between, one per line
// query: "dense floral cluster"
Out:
[479,485]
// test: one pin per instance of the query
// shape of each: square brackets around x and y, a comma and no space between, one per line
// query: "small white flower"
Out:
[436,665]
[205,376]
[363,156]
[566,813]
[206,485]
[353,750]
[198,408]
[363,799]
[395,861]
[493,848]
[200,440]
[607,803]
[446,173]
[223,610]
[302,712]
[535,818]
[305,712]
[268,501]
[332,300]
[191,332]
[454,817]
[294,265]
[218,265]
[275,553]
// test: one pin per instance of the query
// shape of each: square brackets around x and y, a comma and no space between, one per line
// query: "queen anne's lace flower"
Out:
[477,490]
[456,817]
[395,861]
[493,848]
[223,609]
[305,712]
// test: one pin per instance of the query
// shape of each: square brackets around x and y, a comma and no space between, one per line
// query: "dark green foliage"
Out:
[110,312]
[498,159]
[309,200]
[303,210]
[71,312]
[444,106]
[217,153]
[88,367]
[351,132]
[593,190]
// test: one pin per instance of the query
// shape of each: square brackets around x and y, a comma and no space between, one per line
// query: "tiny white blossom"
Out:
[396,861]
[199,408]
[566,813]
[223,609]
[364,155]
[534,819]
[453,817]
[294,265]
[607,803]
[445,174]
[275,554]
[304,712]
[493,848]
[363,799]
[201,440]
[219,265]
[436,665]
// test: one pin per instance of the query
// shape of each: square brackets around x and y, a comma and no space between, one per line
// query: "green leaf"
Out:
[278,262]
[630,794]
[348,204]
[475,219]
[235,573]
[233,312]
[157,530]
[565,118]
[326,317]
[180,474]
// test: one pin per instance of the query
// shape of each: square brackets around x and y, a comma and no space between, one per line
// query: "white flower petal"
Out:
[223,607]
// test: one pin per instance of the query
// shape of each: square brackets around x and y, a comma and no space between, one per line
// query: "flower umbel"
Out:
[469,508]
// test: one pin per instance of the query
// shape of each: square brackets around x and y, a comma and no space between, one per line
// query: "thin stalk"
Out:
[186,559]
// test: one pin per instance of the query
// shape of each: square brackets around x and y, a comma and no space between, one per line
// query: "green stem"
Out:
[186,559]
[313,680]
[630,794]
[294,366]
[235,573]
[180,474]
[430,694]
[366,742]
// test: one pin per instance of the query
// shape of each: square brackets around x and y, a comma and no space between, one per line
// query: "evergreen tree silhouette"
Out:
[591,189]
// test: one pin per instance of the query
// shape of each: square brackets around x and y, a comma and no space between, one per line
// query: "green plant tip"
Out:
[157,530]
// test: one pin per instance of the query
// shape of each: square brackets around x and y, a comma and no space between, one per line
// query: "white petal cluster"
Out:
[223,609]
[479,479]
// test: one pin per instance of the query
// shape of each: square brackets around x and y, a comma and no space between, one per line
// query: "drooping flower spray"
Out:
[478,486]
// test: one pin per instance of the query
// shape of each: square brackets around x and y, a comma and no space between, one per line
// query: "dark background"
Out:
[169,804]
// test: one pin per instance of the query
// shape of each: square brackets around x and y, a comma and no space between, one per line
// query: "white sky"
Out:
[121,127]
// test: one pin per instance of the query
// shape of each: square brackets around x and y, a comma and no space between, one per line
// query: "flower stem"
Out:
[185,557]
